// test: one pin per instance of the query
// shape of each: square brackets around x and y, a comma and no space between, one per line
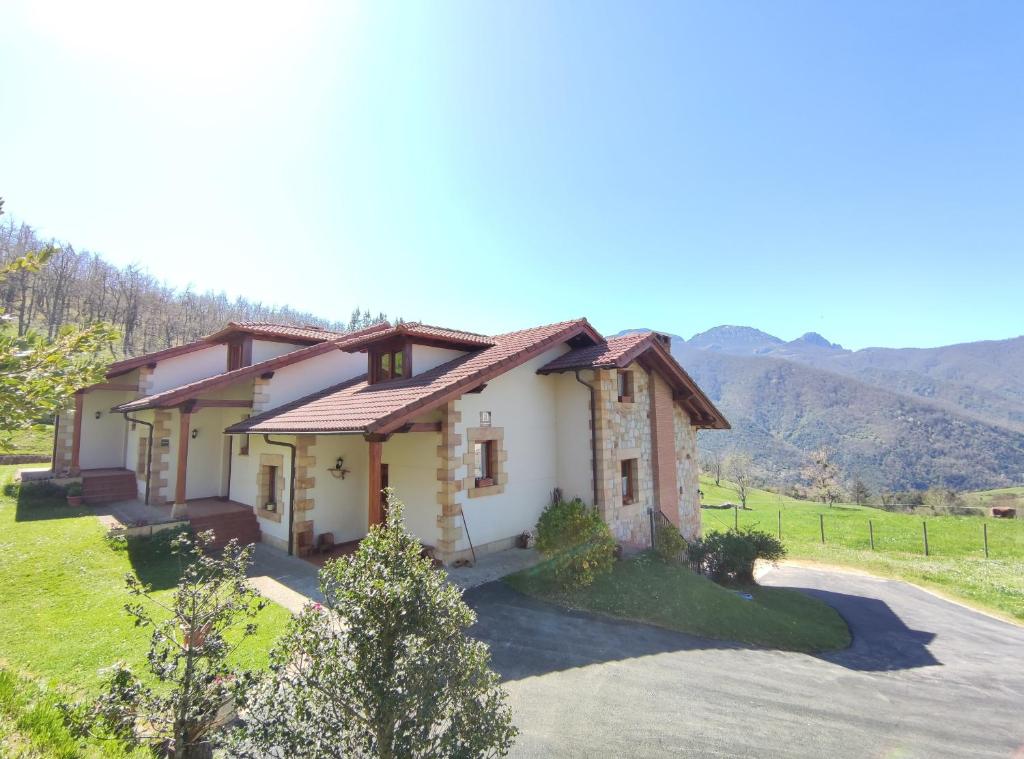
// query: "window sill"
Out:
[485,491]
[273,516]
[628,501]
[483,482]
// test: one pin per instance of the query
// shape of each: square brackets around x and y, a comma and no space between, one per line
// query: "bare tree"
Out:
[859,492]
[739,468]
[822,473]
[713,464]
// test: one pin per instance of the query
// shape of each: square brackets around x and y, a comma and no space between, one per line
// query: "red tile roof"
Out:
[307,333]
[454,337]
[616,352]
[620,352]
[384,407]
[176,395]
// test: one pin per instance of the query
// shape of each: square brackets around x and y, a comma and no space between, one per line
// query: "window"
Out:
[628,481]
[625,387]
[483,472]
[389,365]
[271,485]
[234,356]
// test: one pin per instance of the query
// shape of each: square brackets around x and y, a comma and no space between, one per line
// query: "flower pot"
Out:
[484,482]
[74,500]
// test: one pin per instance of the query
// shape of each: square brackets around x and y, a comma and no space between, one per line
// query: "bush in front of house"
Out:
[728,557]
[669,544]
[576,541]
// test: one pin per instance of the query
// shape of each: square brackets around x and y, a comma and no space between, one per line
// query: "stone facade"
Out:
[64,443]
[145,381]
[687,475]
[624,433]
[160,492]
[260,395]
[495,435]
[449,484]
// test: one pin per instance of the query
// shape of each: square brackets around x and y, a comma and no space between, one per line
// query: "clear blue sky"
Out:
[853,168]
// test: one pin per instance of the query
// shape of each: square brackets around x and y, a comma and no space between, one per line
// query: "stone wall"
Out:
[159,482]
[65,434]
[687,474]
[449,484]
[624,432]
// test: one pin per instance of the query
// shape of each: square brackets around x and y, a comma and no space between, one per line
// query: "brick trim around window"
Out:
[495,436]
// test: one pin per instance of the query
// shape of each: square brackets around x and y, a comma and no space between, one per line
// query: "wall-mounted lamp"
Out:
[195,434]
[338,471]
[98,414]
[485,418]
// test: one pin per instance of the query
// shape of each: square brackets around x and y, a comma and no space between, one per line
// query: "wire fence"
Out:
[941,536]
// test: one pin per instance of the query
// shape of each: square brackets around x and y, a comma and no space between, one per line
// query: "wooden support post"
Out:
[736,518]
[871,534]
[76,433]
[924,529]
[179,509]
[376,512]
[821,526]
[780,525]
[984,534]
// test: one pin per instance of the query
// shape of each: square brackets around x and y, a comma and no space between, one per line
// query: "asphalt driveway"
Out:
[923,678]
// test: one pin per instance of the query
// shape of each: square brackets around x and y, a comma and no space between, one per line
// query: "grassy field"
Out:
[62,613]
[956,564]
[36,440]
[985,497]
[647,589]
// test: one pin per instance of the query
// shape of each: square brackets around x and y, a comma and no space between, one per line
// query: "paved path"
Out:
[923,678]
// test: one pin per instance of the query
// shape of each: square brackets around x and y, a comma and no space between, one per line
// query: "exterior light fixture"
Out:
[195,434]
[98,414]
[485,418]
[338,471]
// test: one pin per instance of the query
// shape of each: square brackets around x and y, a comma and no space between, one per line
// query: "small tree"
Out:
[859,492]
[740,469]
[187,653]
[823,474]
[37,374]
[386,670]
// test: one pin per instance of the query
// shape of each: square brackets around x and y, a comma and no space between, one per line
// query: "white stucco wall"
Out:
[426,357]
[204,476]
[180,370]
[267,349]
[306,377]
[342,505]
[244,471]
[412,473]
[103,439]
[524,404]
[575,467]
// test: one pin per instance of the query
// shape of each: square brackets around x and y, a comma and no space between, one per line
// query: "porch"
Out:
[227,519]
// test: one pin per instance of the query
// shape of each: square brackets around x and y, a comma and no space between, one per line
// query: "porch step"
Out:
[240,525]
[108,486]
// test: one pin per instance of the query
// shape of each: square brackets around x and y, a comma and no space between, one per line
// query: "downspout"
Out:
[291,492]
[593,432]
[149,448]
[56,435]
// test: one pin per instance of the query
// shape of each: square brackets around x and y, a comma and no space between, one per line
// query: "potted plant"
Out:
[484,482]
[525,539]
[74,494]
[270,506]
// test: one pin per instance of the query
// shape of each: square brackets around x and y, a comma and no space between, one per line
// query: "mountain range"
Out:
[897,418]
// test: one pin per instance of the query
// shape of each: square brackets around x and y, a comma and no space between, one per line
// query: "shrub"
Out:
[74,489]
[577,542]
[668,543]
[730,556]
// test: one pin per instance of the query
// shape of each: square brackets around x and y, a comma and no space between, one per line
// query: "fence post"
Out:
[924,528]
[736,518]
[871,534]
[780,525]
[984,532]
[821,526]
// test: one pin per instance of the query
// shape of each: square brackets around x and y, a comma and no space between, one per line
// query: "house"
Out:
[472,432]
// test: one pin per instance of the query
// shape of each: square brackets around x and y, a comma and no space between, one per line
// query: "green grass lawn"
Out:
[647,589]
[36,440]
[985,497]
[62,614]
[956,564]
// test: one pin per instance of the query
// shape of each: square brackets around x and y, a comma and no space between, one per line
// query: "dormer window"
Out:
[388,365]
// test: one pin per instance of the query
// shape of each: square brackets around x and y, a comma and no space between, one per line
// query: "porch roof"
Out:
[356,406]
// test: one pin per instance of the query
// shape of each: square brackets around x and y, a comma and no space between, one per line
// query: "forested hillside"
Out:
[79,287]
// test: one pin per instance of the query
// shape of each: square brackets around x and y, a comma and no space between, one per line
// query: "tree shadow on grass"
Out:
[153,560]
[37,501]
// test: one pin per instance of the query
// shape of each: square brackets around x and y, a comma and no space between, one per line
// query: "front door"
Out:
[384,495]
